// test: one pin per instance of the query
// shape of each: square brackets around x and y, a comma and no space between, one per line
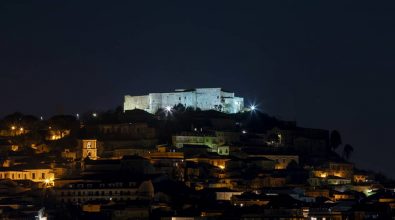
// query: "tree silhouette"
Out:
[335,140]
[293,165]
[347,151]
[179,107]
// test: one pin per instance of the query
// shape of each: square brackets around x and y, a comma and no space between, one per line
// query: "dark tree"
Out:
[179,107]
[63,122]
[347,151]
[293,165]
[335,140]
[273,138]
[13,118]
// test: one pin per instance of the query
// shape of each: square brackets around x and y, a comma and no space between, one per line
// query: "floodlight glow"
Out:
[168,108]
[252,107]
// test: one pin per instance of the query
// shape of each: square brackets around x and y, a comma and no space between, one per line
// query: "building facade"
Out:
[79,192]
[40,175]
[89,149]
[202,98]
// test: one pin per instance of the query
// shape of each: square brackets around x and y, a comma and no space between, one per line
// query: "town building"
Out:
[215,141]
[89,149]
[202,98]
[127,130]
[305,140]
[116,190]
[34,173]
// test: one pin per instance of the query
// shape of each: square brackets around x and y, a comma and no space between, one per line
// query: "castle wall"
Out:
[203,98]
[208,99]
[155,102]
[136,102]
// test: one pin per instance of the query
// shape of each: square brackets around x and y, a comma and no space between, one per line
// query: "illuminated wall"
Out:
[89,149]
[36,175]
[203,98]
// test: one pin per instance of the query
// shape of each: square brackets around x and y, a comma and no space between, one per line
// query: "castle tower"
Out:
[89,149]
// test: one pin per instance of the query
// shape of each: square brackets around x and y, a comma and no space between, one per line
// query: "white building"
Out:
[202,98]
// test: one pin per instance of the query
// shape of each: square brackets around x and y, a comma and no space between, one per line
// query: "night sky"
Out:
[327,65]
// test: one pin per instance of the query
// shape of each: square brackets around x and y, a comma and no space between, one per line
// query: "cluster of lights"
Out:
[14,128]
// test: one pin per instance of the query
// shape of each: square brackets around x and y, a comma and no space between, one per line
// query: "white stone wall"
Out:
[203,98]
[155,102]
[208,99]
[136,102]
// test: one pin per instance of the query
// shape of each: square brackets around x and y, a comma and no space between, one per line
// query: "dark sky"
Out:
[328,65]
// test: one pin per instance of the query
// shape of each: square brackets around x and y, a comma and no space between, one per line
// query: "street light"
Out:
[168,108]
[252,107]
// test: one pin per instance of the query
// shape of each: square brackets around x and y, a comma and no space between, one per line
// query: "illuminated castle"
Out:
[202,98]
